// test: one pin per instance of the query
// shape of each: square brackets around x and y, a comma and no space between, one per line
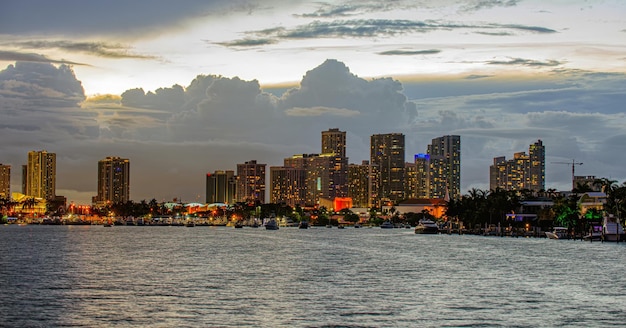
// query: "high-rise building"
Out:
[410,185]
[334,144]
[41,175]
[422,175]
[360,184]
[5,181]
[288,185]
[445,167]
[250,182]
[387,155]
[113,181]
[523,172]
[220,187]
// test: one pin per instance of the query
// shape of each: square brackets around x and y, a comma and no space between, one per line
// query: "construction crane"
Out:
[573,164]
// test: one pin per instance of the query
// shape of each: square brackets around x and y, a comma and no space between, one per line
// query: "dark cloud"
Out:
[360,28]
[100,49]
[247,43]
[409,52]
[119,17]
[31,57]
[526,62]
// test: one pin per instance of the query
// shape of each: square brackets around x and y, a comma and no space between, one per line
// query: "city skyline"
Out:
[186,89]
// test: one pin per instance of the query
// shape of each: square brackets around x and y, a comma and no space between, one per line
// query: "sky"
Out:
[182,89]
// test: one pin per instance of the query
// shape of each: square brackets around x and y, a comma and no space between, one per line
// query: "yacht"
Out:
[303,225]
[612,230]
[426,227]
[271,225]
[387,225]
[557,233]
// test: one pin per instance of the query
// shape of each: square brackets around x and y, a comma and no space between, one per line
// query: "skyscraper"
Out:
[220,187]
[360,184]
[445,167]
[387,155]
[334,144]
[41,175]
[5,181]
[522,172]
[250,182]
[113,181]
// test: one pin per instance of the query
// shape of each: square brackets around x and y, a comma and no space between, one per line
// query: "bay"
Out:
[133,276]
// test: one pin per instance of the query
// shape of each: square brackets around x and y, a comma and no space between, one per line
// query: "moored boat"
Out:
[303,225]
[612,230]
[271,224]
[387,225]
[426,227]
[557,233]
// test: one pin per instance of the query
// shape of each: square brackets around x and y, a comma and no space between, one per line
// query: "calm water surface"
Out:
[92,276]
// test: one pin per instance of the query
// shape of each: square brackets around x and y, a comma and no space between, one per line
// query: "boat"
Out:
[426,227]
[612,230]
[357,225]
[387,225]
[238,225]
[190,223]
[595,233]
[558,233]
[341,226]
[271,225]
[303,225]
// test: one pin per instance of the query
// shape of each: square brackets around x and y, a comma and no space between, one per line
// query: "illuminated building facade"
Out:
[445,167]
[422,176]
[387,155]
[523,172]
[5,181]
[360,184]
[220,187]
[250,182]
[334,145]
[113,181]
[41,175]
[288,185]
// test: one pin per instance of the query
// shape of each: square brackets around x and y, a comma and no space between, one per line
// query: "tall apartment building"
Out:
[445,167]
[250,182]
[220,187]
[113,181]
[288,185]
[520,173]
[387,155]
[334,142]
[410,185]
[41,175]
[5,181]
[360,184]
[422,175]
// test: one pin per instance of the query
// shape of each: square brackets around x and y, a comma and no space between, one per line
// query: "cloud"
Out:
[371,28]
[100,49]
[32,57]
[247,43]
[409,52]
[487,4]
[526,62]
[319,110]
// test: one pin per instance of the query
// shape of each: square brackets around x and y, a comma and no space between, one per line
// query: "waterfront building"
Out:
[334,145]
[5,181]
[445,167]
[220,187]
[523,172]
[250,182]
[288,185]
[41,175]
[113,181]
[387,155]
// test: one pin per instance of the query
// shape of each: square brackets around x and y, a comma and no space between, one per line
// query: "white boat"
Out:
[612,230]
[595,233]
[557,233]
[426,227]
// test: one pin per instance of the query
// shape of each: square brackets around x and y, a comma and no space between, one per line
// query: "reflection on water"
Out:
[207,276]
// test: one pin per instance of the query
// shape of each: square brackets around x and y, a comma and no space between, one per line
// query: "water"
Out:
[92,276]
